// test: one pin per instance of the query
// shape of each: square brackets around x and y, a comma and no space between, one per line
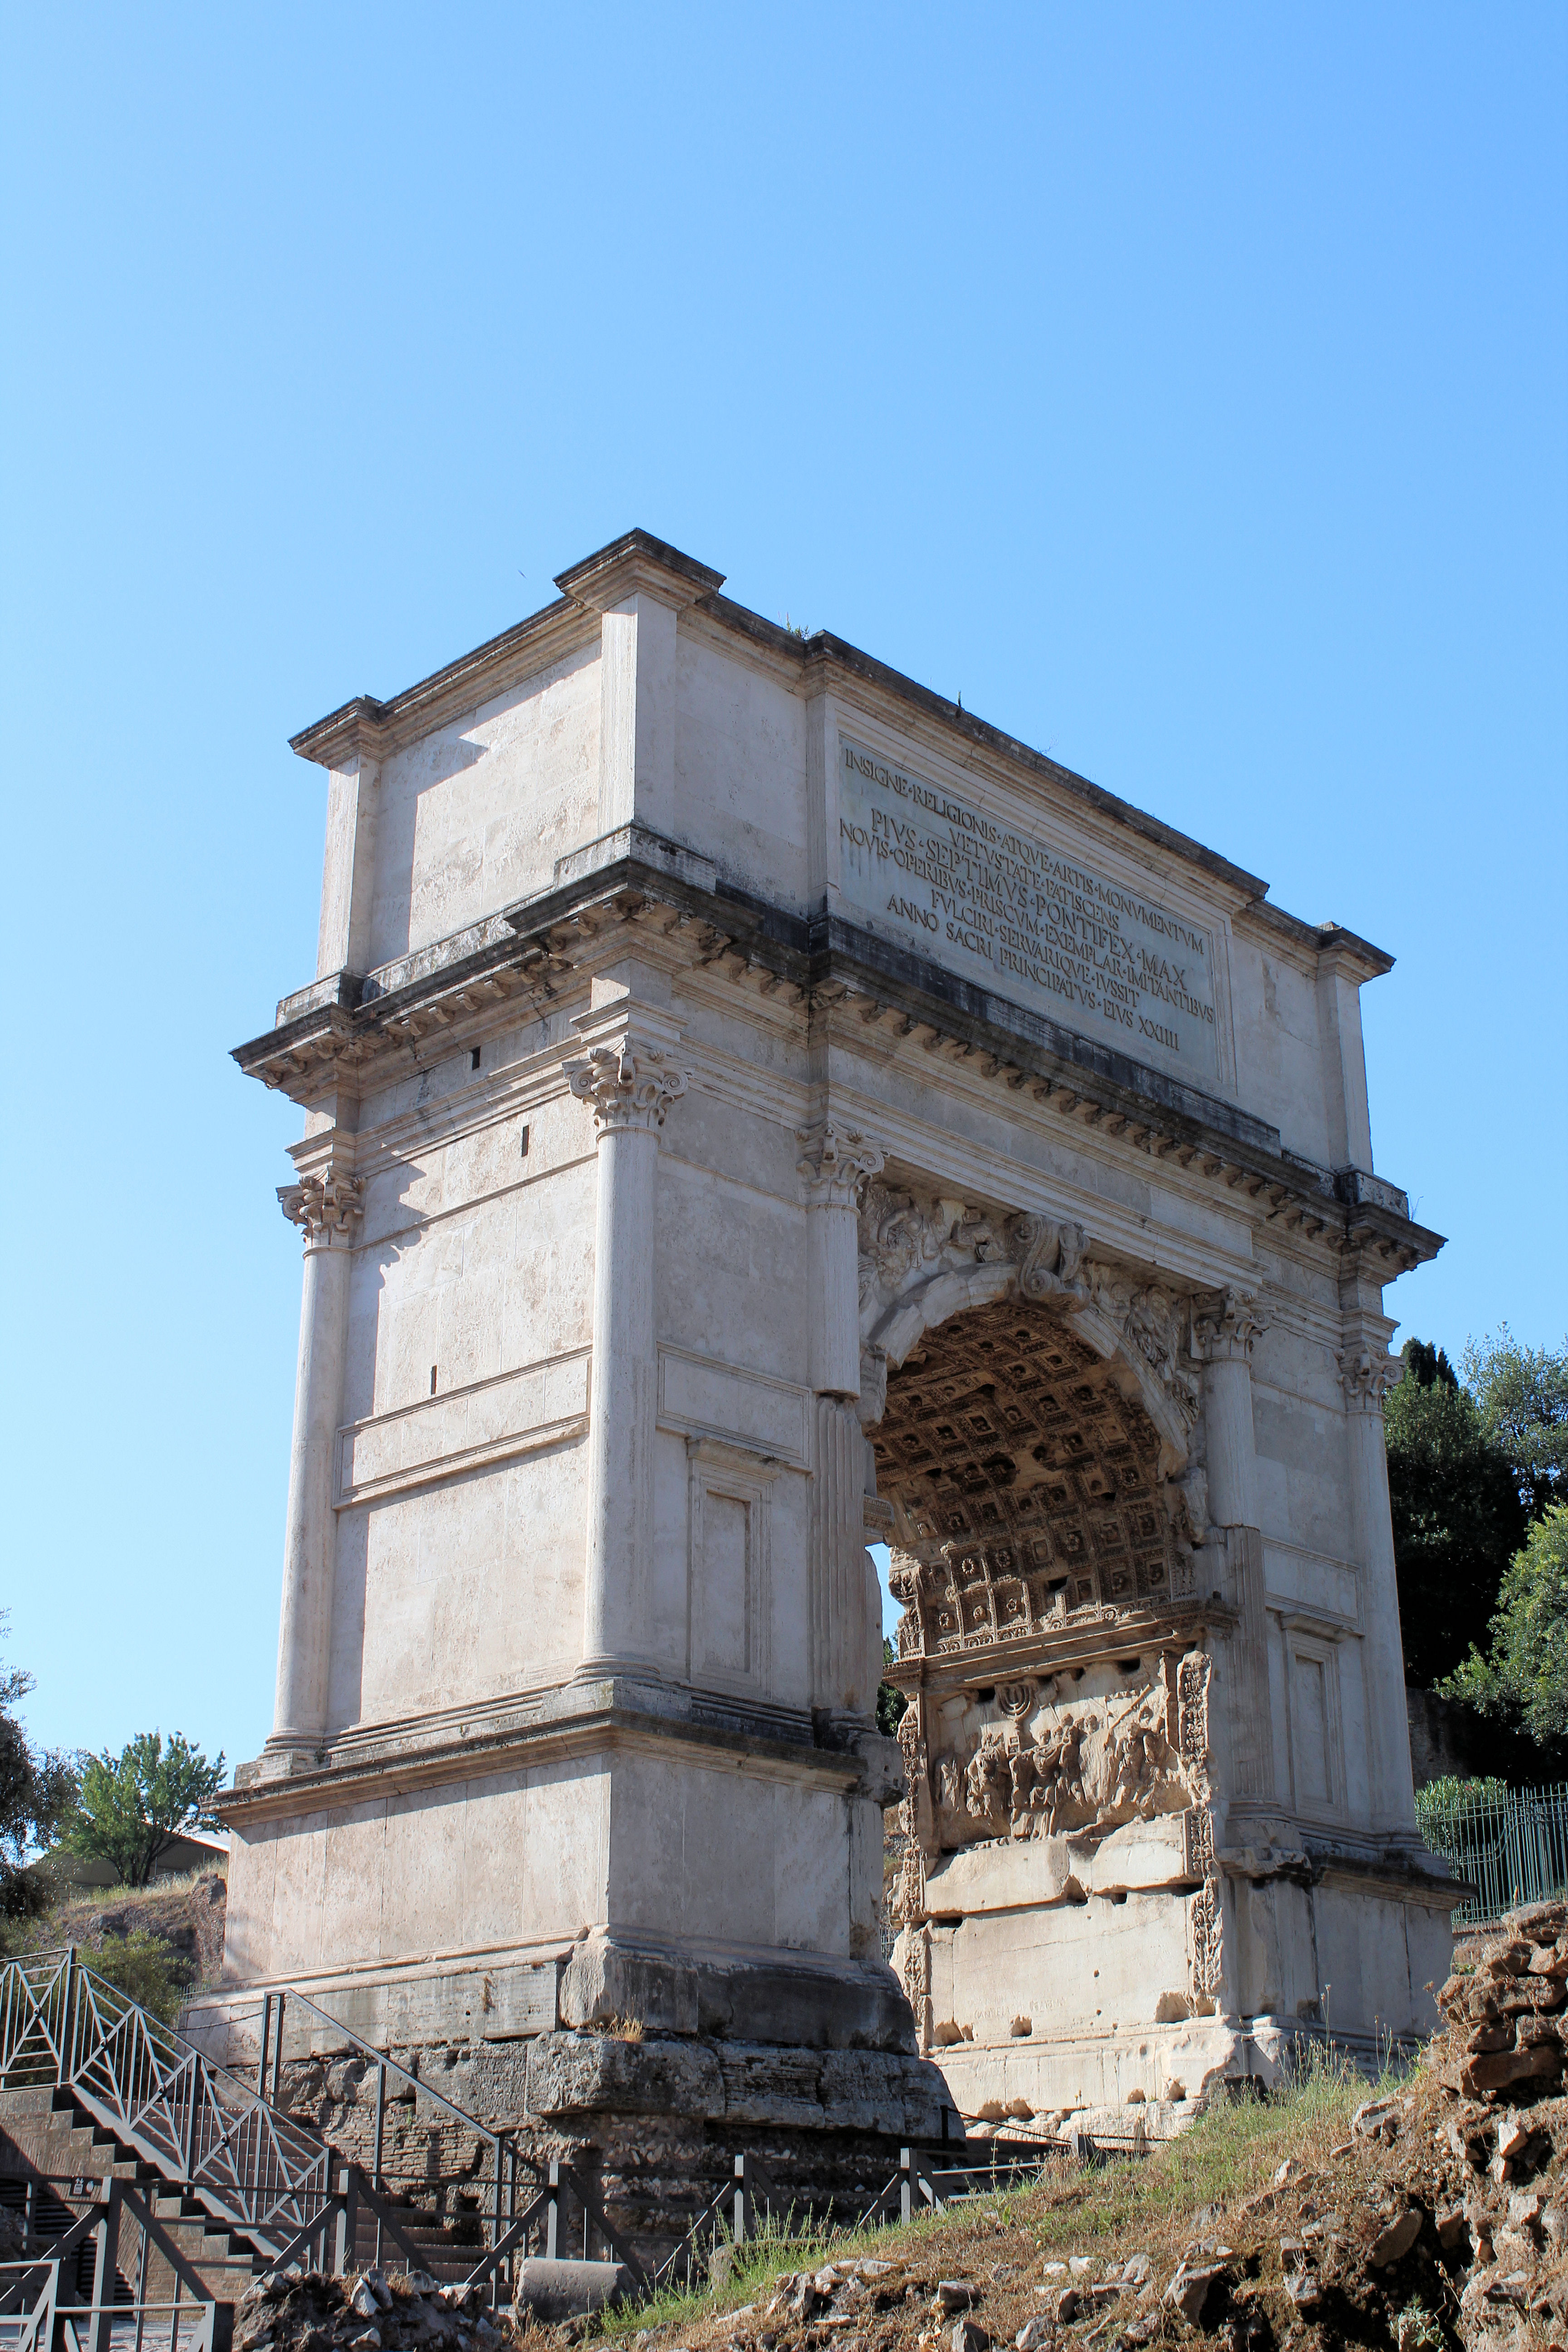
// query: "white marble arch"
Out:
[896,1329]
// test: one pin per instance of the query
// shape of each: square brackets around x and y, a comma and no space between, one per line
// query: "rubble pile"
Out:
[305,2311]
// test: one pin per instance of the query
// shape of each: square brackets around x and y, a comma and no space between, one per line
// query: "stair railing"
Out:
[34,2299]
[202,2128]
[502,2169]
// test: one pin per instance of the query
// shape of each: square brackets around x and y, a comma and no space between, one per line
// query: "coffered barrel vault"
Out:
[752,1108]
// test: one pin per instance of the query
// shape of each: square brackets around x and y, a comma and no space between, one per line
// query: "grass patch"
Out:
[1149,2205]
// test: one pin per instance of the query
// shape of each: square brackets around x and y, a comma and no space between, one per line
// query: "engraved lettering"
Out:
[1027,919]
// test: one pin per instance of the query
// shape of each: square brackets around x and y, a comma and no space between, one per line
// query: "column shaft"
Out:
[1382,1648]
[327,1209]
[1232,1456]
[835,1165]
[623,1404]
[631,1082]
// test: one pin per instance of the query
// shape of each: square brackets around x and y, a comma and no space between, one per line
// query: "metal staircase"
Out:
[217,2180]
[256,2175]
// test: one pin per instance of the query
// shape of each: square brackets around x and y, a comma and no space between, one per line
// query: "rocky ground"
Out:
[1433,2214]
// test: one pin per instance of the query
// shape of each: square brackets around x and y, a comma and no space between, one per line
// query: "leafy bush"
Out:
[137,1965]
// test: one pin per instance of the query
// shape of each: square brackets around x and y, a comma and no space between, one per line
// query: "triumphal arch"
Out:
[753,1109]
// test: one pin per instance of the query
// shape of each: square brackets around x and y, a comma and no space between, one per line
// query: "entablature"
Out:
[332,1035]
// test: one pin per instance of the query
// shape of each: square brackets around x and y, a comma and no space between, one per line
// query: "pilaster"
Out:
[344,941]
[639,587]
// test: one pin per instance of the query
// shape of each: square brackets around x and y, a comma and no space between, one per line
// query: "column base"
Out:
[286,1753]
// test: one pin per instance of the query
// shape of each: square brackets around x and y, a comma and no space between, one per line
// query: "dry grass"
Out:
[1154,2205]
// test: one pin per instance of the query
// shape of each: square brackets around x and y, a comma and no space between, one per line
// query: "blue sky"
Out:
[1184,387]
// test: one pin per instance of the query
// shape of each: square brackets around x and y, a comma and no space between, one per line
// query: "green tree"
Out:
[37,1789]
[890,1701]
[1522,1393]
[131,1807]
[1457,1516]
[1524,1674]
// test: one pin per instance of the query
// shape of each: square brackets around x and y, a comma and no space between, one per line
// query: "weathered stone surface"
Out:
[1397,2240]
[749,1106]
[558,2290]
[572,2074]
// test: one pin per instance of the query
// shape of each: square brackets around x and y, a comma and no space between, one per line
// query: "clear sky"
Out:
[1185,387]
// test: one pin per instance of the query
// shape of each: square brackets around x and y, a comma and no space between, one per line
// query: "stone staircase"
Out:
[47,2137]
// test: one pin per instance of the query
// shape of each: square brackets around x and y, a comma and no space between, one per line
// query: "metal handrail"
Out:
[202,2128]
[505,2158]
[39,2321]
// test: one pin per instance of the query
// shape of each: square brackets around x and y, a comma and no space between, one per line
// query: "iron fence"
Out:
[1510,1844]
[41,2305]
[63,2027]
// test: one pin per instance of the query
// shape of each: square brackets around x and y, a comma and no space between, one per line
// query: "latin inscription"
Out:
[1033,926]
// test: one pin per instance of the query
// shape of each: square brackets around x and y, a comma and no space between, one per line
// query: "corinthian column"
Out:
[631,1080]
[835,1166]
[1367,1372]
[1225,1334]
[326,1209]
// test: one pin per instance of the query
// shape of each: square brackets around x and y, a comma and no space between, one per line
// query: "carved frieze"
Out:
[1025,1760]
[900,1238]
[1206,1908]
[1154,1323]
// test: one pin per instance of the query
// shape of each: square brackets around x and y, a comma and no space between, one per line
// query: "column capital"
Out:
[835,1165]
[630,1083]
[1366,1376]
[325,1208]
[1226,1325]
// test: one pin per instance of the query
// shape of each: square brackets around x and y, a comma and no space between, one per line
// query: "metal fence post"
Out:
[905,2186]
[266,2043]
[553,2213]
[68,2021]
[106,2258]
[277,2057]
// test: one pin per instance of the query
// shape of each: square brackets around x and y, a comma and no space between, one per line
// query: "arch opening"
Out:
[1025,1484]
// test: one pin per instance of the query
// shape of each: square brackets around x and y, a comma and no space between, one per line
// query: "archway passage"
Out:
[1023,1482]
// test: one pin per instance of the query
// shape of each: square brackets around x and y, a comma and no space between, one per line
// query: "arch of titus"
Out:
[754,1109]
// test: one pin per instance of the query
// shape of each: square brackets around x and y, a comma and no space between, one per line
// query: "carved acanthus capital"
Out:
[1367,1378]
[836,1165]
[1049,1255]
[325,1208]
[1225,1326]
[629,1084]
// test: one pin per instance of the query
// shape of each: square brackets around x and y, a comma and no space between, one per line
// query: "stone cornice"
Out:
[519,653]
[1086,1637]
[637,561]
[521,1733]
[874,992]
